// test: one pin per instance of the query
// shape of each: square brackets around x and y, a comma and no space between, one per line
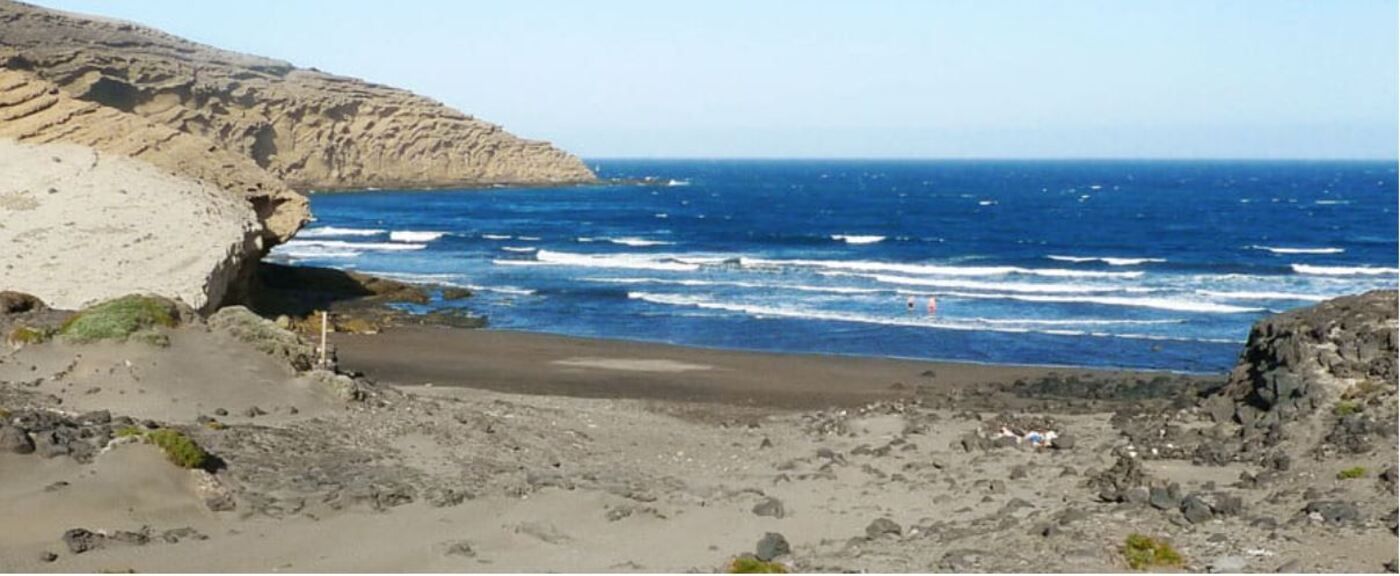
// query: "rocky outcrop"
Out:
[35,111]
[311,129]
[78,226]
[1333,364]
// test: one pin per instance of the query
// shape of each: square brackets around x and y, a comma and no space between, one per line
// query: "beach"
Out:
[453,449]
[543,364]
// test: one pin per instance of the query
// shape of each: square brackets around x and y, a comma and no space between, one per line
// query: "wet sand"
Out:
[529,363]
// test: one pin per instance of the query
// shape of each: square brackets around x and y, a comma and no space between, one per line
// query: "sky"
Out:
[874,79]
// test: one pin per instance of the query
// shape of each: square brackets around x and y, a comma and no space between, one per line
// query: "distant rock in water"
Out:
[1332,364]
[311,129]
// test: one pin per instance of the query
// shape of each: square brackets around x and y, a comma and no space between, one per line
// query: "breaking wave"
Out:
[415,236]
[1343,270]
[332,232]
[1277,250]
[856,239]
[1108,260]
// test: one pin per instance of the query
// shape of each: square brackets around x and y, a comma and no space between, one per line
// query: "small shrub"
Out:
[1345,408]
[125,431]
[1352,473]
[179,448]
[118,319]
[1147,552]
[24,335]
[752,565]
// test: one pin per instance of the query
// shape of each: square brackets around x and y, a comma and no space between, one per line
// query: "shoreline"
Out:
[582,367]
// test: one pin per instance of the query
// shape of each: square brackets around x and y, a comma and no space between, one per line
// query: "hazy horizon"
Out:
[887,80]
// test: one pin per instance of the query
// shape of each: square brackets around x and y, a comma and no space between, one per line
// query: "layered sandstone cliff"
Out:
[311,129]
[35,111]
[79,225]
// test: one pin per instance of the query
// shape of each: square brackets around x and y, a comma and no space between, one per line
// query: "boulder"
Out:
[772,545]
[15,440]
[882,527]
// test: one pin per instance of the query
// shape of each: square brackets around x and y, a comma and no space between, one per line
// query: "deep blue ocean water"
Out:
[1160,265]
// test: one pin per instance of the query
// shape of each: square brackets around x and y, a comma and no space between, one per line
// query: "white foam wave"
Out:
[857,239]
[627,241]
[673,183]
[415,236]
[496,236]
[1277,250]
[513,291]
[1173,304]
[934,270]
[332,231]
[921,322]
[619,261]
[1263,295]
[1107,260]
[295,244]
[1343,270]
[519,248]
[997,286]
[528,238]
[739,284]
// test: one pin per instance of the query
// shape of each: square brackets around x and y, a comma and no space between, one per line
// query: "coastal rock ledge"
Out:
[311,129]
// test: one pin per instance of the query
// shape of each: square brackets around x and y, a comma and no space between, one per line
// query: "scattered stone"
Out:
[1293,566]
[542,531]
[766,443]
[47,556]
[1195,510]
[461,548]
[254,412]
[1018,472]
[56,486]
[15,440]
[175,535]
[882,527]
[80,540]
[1333,511]
[771,546]
[220,412]
[771,507]
[1165,497]
[446,497]
[1227,565]
[1065,441]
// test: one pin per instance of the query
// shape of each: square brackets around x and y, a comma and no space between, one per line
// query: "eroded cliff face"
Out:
[34,111]
[80,225]
[311,129]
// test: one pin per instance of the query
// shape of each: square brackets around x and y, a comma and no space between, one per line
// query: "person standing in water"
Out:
[932,306]
[910,304]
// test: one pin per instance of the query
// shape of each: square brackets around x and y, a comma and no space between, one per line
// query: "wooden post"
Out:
[325,322]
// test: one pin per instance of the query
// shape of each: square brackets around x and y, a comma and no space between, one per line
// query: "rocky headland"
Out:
[310,129]
[207,123]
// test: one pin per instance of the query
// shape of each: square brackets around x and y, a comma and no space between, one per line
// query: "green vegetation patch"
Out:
[24,335]
[121,318]
[178,448]
[752,565]
[1346,407]
[1352,473]
[1144,552]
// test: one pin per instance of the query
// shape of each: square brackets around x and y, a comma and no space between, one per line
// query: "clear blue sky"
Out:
[1142,78]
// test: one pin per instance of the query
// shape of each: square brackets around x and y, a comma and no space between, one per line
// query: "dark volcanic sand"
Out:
[558,365]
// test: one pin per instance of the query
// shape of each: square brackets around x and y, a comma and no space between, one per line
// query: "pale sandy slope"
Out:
[78,226]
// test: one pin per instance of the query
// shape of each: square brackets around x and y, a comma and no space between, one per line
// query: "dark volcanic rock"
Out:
[15,440]
[771,546]
[771,507]
[882,527]
[1333,511]
[1297,362]
[80,540]
[1114,484]
[19,303]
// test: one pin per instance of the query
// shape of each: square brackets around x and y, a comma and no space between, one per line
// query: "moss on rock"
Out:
[121,318]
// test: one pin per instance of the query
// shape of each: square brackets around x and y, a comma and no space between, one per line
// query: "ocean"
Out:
[1132,264]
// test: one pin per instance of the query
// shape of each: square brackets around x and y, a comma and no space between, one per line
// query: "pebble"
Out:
[882,527]
[770,507]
